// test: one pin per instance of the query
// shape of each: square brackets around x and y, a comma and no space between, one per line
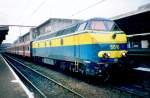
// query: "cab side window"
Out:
[82,26]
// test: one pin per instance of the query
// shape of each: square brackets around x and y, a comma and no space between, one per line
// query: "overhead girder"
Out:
[134,24]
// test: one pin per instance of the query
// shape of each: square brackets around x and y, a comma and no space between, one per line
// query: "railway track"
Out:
[135,89]
[45,86]
[139,87]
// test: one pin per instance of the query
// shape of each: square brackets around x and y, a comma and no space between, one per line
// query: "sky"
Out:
[35,12]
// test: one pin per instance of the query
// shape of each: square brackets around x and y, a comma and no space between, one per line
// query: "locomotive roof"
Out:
[99,19]
[54,33]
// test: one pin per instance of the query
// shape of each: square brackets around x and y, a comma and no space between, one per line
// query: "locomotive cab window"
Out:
[112,26]
[104,25]
[98,25]
[82,26]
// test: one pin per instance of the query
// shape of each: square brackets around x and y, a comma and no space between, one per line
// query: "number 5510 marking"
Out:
[114,47]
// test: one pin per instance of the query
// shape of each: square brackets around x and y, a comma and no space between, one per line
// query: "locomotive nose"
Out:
[112,54]
[104,55]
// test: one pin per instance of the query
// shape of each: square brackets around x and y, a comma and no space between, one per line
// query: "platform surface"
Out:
[143,69]
[9,85]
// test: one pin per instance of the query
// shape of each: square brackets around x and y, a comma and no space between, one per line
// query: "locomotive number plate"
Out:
[115,47]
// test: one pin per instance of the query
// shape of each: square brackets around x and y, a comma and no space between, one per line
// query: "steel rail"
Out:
[54,81]
[133,91]
[40,92]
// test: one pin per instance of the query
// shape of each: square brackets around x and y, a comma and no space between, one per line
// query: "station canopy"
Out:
[135,22]
[3,32]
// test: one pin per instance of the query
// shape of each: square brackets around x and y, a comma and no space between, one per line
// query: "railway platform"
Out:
[10,84]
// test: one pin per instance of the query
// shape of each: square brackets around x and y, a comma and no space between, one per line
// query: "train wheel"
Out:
[105,77]
[62,66]
[82,71]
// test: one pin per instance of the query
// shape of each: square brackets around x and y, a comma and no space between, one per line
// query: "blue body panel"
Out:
[87,52]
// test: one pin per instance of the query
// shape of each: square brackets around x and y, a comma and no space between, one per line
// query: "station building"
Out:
[51,25]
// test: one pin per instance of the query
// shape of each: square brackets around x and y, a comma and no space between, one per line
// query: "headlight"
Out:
[124,54]
[106,55]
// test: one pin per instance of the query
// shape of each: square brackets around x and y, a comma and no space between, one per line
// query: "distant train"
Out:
[91,47]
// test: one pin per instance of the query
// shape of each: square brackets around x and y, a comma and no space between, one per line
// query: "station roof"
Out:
[3,32]
[135,22]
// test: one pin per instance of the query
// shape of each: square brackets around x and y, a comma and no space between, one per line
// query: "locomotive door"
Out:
[76,47]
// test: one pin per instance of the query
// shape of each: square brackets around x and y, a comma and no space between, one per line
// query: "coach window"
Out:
[82,26]
[28,47]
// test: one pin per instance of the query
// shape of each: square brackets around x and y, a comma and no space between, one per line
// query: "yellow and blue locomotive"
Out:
[89,47]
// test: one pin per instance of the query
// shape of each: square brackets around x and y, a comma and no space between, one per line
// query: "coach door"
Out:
[23,50]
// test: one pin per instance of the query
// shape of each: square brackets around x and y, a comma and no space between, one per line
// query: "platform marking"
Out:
[15,81]
[27,91]
[142,69]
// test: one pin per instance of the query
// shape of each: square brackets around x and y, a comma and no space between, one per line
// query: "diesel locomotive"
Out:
[91,47]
